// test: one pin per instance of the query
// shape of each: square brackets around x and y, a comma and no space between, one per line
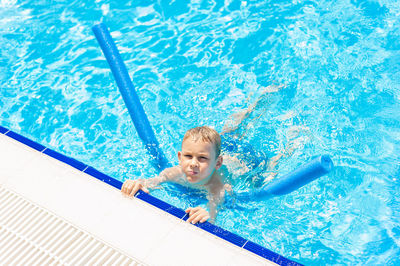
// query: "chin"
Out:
[192,180]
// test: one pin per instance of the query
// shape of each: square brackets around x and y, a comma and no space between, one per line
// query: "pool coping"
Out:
[177,212]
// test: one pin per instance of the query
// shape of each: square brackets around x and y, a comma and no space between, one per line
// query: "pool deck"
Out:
[132,231]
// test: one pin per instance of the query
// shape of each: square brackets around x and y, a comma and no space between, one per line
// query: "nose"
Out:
[194,163]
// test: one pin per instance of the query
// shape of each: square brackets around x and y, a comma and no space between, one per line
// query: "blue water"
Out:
[198,63]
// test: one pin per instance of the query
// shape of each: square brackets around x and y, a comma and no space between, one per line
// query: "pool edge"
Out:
[179,213]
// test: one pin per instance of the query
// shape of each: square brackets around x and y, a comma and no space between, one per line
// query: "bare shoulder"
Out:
[173,173]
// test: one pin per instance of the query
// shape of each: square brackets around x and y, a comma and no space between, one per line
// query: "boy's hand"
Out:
[197,214]
[131,187]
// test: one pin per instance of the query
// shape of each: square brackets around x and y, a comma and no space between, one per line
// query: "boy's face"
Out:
[198,161]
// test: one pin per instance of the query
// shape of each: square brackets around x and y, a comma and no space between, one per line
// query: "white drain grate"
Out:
[31,235]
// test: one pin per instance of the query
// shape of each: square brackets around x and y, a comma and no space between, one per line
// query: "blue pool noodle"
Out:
[129,95]
[284,185]
[290,182]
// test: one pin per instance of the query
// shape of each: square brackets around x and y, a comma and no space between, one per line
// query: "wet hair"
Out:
[205,134]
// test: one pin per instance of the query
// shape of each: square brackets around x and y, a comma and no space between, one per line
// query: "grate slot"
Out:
[89,252]
[112,258]
[104,255]
[14,255]
[11,209]
[96,257]
[31,235]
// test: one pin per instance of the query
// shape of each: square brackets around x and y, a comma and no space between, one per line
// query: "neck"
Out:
[214,180]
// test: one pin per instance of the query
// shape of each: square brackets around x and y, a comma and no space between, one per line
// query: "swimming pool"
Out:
[198,63]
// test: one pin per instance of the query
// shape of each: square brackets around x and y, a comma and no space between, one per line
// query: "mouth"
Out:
[193,173]
[192,176]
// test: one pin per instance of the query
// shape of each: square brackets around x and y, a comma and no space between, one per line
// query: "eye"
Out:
[188,156]
[202,158]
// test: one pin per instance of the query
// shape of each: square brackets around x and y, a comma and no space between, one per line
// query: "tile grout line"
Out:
[184,217]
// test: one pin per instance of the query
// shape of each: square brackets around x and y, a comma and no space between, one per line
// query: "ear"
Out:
[179,156]
[220,160]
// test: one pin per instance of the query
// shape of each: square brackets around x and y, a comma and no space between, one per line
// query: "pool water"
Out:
[198,62]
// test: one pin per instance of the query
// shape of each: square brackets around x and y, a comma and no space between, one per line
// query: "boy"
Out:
[199,167]
[200,162]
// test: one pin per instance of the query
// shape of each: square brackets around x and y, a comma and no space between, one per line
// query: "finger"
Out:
[134,189]
[194,210]
[145,190]
[190,211]
[192,215]
[124,189]
[192,218]
[197,218]
[126,186]
[205,219]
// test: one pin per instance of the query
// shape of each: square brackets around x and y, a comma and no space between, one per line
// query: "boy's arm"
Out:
[131,187]
[199,214]
[216,199]
[213,206]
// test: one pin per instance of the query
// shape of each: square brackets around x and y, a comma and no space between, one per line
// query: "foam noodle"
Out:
[292,181]
[129,95]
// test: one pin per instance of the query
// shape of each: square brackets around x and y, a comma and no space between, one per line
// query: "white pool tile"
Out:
[242,257]
[13,156]
[38,172]
[198,247]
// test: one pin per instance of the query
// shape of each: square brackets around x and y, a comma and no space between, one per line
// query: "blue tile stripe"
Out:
[179,213]
[68,160]
[103,177]
[25,141]
[268,254]
[222,233]
[3,130]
